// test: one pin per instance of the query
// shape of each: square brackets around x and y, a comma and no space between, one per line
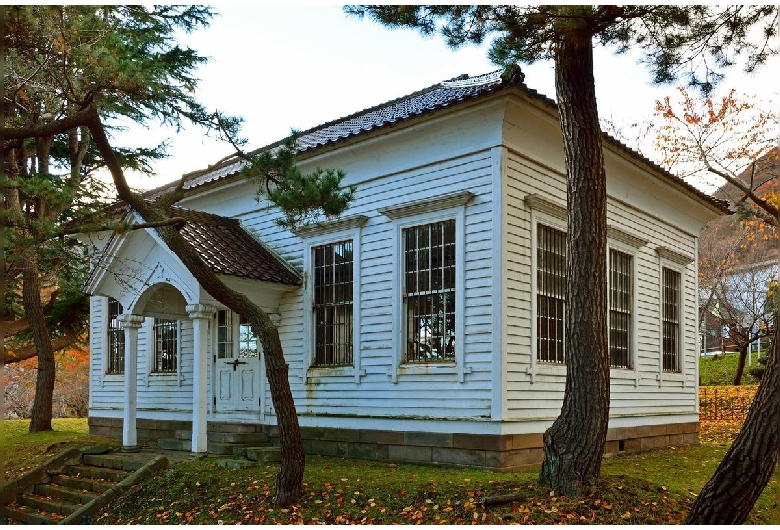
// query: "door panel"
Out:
[225,384]
[236,365]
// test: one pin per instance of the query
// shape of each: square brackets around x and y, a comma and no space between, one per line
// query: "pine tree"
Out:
[70,71]
[673,38]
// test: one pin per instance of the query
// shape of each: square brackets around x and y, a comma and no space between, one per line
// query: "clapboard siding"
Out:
[430,394]
[629,393]
[502,145]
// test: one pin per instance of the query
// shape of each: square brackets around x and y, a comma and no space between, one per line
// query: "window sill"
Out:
[676,377]
[428,368]
[114,377]
[548,369]
[330,371]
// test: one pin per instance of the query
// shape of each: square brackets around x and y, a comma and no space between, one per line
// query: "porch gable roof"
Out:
[229,249]
[222,243]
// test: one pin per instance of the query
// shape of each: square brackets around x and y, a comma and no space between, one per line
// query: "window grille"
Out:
[333,313]
[671,320]
[224,334]
[166,345]
[550,294]
[115,363]
[620,308]
[429,295]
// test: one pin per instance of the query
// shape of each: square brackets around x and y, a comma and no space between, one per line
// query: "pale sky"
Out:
[284,67]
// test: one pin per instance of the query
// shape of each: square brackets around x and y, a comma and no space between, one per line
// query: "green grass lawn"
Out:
[22,450]
[720,369]
[655,487]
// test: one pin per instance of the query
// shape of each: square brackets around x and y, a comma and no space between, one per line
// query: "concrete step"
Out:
[96,473]
[26,515]
[264,455]
[226,448]
[228,437]
[174,444]
[82,484]
[45,504]
[233,463]
[60,495]
[123,461]
[64,494]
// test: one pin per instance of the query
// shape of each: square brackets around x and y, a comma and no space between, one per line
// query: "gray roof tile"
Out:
[229,249]
[441,95]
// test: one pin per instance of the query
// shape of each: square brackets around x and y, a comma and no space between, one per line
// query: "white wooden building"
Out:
[425,324]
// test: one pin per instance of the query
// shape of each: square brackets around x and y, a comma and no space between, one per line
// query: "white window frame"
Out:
[673,260]
[680,325]
[458,214]
[348,228]
[151,347]
[114,376]
[623,242]
[549,213]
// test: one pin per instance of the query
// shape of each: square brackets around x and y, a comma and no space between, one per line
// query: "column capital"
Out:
[129,320]
[200,311]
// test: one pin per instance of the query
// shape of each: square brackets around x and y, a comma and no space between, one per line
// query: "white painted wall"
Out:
[465,148]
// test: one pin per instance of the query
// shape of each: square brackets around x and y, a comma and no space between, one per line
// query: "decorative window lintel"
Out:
[674,256]
[422,206]
[536,202]
[627,238]
[328,227]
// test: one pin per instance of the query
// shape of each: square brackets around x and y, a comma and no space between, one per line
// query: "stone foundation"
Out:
[504,453]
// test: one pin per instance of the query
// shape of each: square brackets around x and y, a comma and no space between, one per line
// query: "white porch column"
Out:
[200,315]
[130,323]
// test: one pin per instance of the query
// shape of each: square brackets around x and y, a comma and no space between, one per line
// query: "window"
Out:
[671,319]
[165,333]
[115,361]
[247,340]
[429,292]
[224,334]
[333,303]
[550,294]
[620,308]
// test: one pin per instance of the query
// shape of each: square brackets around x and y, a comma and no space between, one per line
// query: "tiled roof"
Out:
[229,249]
[441,95]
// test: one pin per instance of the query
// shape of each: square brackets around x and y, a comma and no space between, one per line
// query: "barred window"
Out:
[333,312]
[165,345]
[115,361]
[429,292]
[620,308]
[671,319]
[550,294]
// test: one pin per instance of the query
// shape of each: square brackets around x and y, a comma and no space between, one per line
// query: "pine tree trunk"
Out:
[740,364]
[44,385]
[744,472]
[574,444]
[289,481]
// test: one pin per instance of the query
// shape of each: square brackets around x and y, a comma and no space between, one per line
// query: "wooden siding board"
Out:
[522,179]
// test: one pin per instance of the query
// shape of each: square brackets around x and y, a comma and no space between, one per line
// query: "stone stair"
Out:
[73,485]
[222,439]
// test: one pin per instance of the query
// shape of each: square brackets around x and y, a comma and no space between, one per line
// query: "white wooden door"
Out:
[236,365]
